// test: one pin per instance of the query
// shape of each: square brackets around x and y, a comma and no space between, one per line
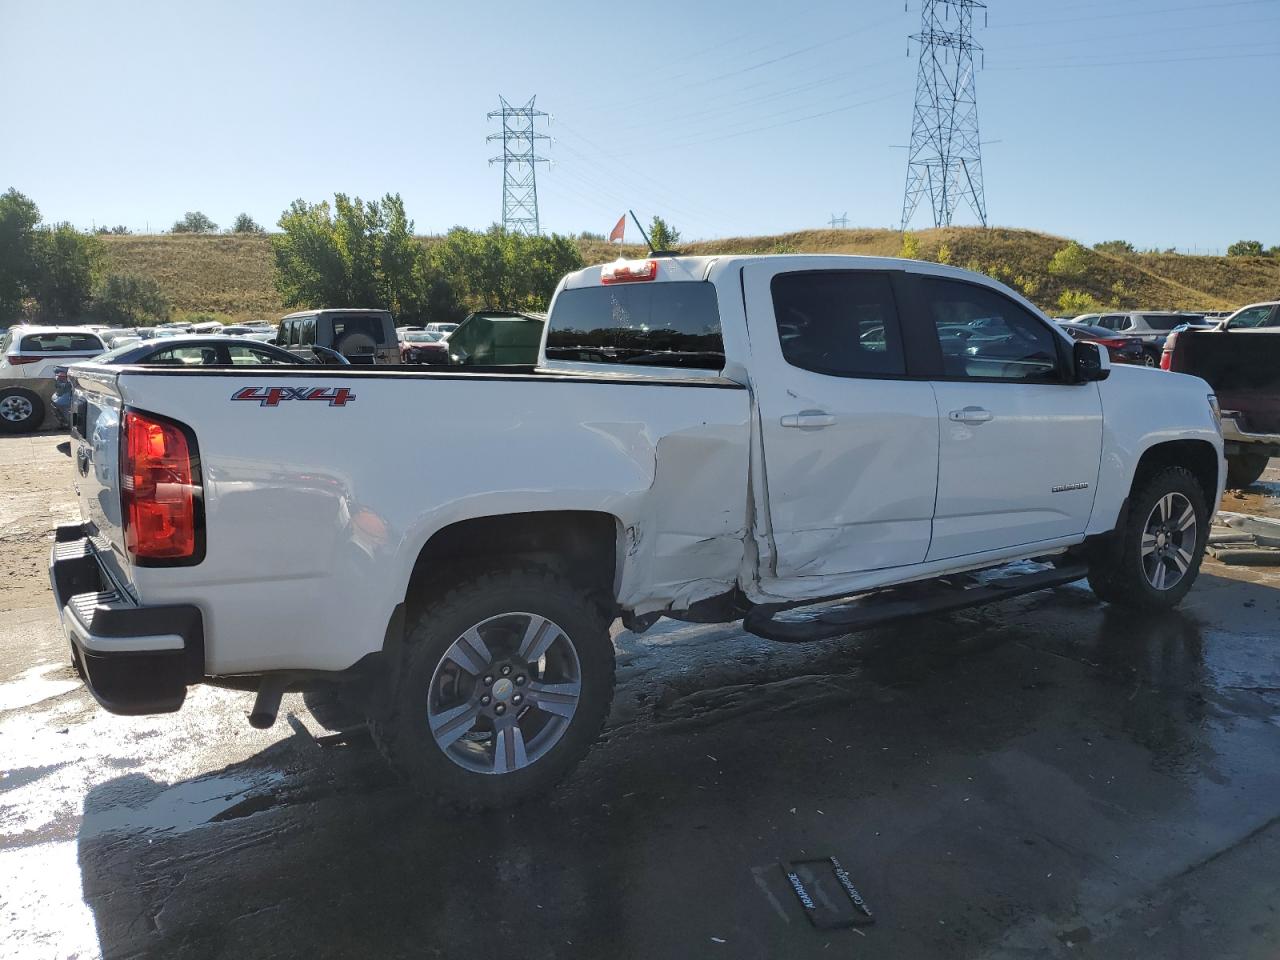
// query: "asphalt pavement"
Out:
[1049,777]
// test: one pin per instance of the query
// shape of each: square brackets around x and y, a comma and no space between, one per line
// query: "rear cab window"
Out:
[655,324]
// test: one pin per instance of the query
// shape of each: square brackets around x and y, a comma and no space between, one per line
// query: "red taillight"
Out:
[629,271]
[158,489]
[1111,343]
[1166,355]
[19,361]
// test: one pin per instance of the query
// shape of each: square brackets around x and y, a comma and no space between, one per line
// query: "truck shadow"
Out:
[669,834]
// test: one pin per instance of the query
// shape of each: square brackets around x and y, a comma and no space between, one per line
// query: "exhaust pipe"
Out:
[267,704]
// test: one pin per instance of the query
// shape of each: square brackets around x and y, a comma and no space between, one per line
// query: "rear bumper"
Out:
[1236,439]
[135,659]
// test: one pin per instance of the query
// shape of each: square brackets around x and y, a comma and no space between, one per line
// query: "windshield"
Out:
[655,324]
[423,337]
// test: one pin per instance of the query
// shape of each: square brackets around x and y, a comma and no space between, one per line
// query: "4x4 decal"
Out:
[273,396]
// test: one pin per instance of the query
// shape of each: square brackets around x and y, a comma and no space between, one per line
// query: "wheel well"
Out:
[580,545]
[1198,456]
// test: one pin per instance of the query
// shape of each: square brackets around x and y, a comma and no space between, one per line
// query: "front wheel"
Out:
[506,682]
[1157,555]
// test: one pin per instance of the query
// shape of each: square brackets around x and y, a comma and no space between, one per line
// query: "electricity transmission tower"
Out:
[945,156]
[840,222]
[519,165]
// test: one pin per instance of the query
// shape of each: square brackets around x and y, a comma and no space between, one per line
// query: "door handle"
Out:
[970,415]
[808,418]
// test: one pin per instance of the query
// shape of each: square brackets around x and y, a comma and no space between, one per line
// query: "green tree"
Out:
[118,230]
[662,235]
[1245,248]
[246,224]
[124,300]
[18,218]
[910,249]
[66,266]
[1071,261]
[944,253]
[502,270]
[195,222]
[1114,247]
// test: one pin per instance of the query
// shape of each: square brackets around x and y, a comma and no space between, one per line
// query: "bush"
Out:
[1071,261]
[195,222]
[124,300]
[1029,286]
[1245,248]
[1115,247]
[1075,302]
[944,253]
[910,249]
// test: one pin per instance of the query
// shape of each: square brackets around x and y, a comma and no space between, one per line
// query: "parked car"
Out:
[28,355]
[1121,349]
[189,350]
[237,330]
[496,338]
[1150,326]
[362,336]
[445,328]
[420,346]
[737,448]
[1240,359]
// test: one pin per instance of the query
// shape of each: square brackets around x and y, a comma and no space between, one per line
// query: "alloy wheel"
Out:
[1169,541]
[504,693]
[16,409]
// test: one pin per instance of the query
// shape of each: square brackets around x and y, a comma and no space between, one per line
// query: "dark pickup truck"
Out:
[1240,358]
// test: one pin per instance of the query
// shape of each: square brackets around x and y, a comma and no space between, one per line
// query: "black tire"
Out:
[404,733]
[1244,469]
[1118,574]
[1150,358]
[21,411]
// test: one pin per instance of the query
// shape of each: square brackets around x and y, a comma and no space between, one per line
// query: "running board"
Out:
[826,619]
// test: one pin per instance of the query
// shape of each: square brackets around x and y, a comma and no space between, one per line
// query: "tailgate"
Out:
[1242,366]
[95,457]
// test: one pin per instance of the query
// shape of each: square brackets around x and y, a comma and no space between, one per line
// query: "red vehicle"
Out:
[424,346]
[1120,349]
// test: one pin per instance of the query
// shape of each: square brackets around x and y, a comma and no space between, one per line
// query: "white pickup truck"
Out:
[706,438]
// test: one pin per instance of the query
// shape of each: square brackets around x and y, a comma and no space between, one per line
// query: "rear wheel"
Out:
[506,682]
[21,411]
[1150,359]
[1156,557]
[1244,469]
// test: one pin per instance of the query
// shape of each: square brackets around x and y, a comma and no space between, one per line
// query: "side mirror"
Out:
[1090,361]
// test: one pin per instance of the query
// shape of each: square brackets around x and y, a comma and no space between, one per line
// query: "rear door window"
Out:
[372,326]
[674,324]
[60,343]
[840,323]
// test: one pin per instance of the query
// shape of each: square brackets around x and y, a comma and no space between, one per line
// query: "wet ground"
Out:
[1045,778]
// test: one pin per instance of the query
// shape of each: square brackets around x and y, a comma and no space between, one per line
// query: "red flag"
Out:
[619,229]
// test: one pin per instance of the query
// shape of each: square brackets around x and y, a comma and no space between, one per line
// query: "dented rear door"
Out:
[850,442]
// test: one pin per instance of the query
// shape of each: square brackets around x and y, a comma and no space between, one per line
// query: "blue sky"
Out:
[1154,121]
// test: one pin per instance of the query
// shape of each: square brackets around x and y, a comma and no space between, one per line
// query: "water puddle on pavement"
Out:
[177,808]
[34,686]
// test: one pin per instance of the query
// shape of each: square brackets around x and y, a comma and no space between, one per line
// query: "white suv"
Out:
[27,358]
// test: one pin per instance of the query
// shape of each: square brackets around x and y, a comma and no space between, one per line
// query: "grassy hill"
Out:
[232,275]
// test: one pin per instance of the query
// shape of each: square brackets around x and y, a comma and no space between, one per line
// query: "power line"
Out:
[519,165]
[839,223]
[1200,8]
[945,155]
